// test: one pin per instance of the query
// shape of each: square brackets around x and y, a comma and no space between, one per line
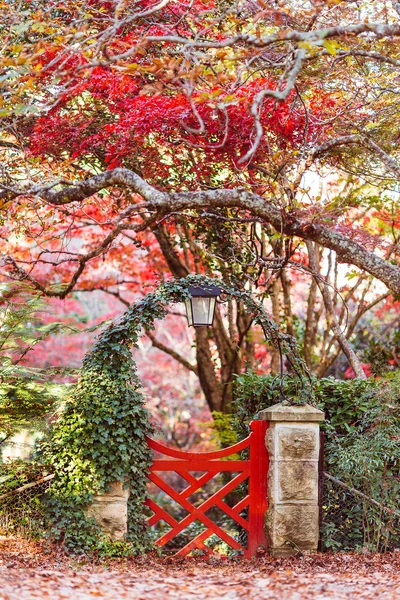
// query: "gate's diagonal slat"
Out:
[195,483]
[232,514]
[163,485]
[228,487]
[191,479]
[222,534]
[241,504]
[213,527]
[199,483]
[159,514]
[196,512]
[169,535]
[197,542]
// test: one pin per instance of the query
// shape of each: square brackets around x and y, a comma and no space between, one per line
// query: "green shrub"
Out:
[362,450]
[23,512]
[367,458]
[344,402]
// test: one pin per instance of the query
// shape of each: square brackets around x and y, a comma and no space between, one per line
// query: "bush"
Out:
[23,512]
[344,402]
[367,459]
[362,450]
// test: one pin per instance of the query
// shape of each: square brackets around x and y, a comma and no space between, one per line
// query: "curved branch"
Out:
[331,317]
[363,140]
[172,353]
[380,30]
[79,191]
[365,54]
[280,95]
[347,250]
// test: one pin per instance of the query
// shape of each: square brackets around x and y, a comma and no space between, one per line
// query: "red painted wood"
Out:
[231,512]
[159,513]
[209,464]
[197,542]
[197,485]
[242,504]
[182,466]
[258,487]
[181,454]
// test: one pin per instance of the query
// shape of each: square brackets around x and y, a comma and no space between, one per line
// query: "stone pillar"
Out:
[110,510]
[292,519]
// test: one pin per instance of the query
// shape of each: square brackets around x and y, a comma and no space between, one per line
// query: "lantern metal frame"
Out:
[209,292]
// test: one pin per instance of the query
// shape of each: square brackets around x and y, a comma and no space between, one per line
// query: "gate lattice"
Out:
[255,469]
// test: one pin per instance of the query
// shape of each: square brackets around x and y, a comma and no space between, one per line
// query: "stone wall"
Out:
[110,510]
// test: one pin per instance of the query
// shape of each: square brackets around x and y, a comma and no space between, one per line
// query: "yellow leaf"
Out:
[331,46]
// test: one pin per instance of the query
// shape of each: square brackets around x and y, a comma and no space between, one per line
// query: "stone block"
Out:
[283,412]
[297,482]
[272,495]
[110,510]
[296,442]
[269,441]
[292,528]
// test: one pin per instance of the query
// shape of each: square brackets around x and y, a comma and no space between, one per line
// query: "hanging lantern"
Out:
[200,307]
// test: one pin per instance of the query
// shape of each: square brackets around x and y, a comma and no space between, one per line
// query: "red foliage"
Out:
[389,304]
[349,373]
[392,219]
[132,118]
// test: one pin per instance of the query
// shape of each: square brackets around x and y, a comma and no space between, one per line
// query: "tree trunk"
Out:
[331,316]
[217,389]
[275,356]
[310,318]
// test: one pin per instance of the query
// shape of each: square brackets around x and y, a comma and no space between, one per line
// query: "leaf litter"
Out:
[31,570]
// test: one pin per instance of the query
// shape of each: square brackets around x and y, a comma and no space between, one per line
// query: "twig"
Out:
[391,511]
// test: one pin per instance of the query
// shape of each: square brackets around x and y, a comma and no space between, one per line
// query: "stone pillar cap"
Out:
[283,412]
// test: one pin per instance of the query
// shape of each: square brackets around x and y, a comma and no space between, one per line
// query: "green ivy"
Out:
[101,435]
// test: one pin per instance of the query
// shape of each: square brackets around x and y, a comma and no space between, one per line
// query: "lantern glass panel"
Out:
[189,313]
[203,310]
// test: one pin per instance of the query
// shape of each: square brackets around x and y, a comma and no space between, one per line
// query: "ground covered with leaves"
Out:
[32,570]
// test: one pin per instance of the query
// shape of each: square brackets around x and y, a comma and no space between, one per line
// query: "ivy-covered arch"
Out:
[100,437]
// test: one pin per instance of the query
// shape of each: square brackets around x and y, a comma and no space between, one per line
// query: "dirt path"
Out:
[31,571]
[195,584]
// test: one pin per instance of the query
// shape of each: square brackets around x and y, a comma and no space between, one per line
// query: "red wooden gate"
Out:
[255,469]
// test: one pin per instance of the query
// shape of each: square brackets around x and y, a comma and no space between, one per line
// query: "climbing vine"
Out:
[101,435]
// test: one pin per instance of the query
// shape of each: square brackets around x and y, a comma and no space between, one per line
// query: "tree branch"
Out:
[329,360]
[289,224]
[379,30]
[387,160]
[331,316]
[396,6]
[279,95]
[171,352]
